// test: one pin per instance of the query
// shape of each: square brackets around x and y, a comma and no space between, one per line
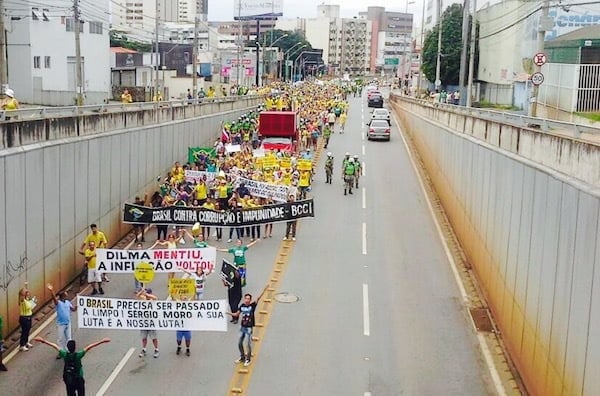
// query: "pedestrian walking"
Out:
[329,168]
[73,369]
[94,276]
[63,316]
[26,306]
[290,226]
[245,314]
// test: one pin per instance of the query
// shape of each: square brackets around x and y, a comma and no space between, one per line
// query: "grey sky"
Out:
[222,10]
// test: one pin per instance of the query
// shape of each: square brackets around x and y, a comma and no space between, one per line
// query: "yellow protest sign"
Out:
[258,162]
[179,287]
[144,272]
[304,165]
[285,163]
[270,162]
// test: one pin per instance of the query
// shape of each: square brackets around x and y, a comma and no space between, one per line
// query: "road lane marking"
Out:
[366,325]
[115,372]
[364,238]
[367,393]
[364,198]
[363,149]
[363,171]
[465,298]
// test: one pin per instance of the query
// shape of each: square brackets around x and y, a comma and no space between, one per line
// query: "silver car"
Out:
[381,114]
[378,129]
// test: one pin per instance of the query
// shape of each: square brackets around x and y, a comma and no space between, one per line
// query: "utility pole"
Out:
[3,58]
[240,44]
[463,54]
[421,51]
[78,74]
[156,24]
[540,49]
[438,82]
[195,59]
[472,55]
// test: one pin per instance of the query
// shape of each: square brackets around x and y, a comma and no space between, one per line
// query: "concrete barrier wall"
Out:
[22,130]
[52,191]
[575,157]
[532,236]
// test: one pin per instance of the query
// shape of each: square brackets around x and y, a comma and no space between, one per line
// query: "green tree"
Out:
[283,44]
[451,47]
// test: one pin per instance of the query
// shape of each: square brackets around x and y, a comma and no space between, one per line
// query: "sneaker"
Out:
[240,360]
[3,367]
[187,352]
[142,353]
[94,292]
[23,349]
[229,240]
[247,362]
[285,238]
[29,345]
[293,238]
[156,353]
[101,291]
[178,351]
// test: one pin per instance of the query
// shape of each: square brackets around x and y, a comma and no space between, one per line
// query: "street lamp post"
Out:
[285,57]
[270,46]
[300,56]
[292,54]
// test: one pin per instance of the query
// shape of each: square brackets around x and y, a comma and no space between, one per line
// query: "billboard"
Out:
[257,9]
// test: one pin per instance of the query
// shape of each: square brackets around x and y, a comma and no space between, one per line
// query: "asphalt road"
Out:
[379,311]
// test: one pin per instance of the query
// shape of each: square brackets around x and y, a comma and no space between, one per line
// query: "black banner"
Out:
[182,215]
[228,272]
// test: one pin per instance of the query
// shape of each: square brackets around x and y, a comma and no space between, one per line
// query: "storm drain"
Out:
[286,297]
[482,320]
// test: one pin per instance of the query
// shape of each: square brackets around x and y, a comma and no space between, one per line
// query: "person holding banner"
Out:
[170,243]
[239,257]
[245,313]
[73,370]
[146,294]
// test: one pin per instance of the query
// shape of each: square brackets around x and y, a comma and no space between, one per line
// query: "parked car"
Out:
[375,101]
[378,129]
[381,114]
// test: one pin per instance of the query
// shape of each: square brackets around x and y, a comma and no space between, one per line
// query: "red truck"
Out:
[278,130]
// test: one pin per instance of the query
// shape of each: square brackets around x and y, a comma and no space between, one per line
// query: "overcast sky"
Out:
[222,10]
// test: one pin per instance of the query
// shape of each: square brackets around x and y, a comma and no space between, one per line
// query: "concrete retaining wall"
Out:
[532,236]
[52,190]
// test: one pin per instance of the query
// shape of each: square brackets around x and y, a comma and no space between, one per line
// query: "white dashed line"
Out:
[364,198]
[366,325]
[364,238]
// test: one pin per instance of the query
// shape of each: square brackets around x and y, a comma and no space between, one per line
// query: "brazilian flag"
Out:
[195,152]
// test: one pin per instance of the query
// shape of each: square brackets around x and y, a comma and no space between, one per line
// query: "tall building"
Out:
[390,39]
[138,17]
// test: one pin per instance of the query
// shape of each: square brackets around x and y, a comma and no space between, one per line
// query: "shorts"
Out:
[148,334]
[181,334]
[94,276]
[331,124]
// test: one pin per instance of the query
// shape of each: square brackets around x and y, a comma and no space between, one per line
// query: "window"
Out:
[95,27]
[45,13]
[47,62]
[70,24]
[36,62]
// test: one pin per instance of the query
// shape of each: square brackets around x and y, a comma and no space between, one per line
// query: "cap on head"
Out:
[347,154]
[9,92]
[351,159]
[329,154]
[355,156]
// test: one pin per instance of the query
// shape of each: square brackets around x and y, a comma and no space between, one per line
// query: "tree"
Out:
[451,47]
[283,44]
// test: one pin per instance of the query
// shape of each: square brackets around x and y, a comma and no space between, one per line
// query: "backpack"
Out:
[72,368]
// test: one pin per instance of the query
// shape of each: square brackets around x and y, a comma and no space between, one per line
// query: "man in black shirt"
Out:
[245,314]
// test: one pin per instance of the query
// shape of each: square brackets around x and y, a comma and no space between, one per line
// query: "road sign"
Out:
[539,59]
[537,78]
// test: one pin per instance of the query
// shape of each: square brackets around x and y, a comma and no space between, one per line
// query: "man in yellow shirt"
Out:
[95,236]
[10,103]
[94,277]
[126,97]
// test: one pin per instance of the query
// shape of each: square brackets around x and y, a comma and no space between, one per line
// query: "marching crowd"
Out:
[217,182]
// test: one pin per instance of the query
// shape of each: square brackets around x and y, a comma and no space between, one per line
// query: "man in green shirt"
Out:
[239,257]
[73,370]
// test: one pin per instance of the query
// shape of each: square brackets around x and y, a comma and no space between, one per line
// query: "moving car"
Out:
[381,114]
[378,129]
[375,100]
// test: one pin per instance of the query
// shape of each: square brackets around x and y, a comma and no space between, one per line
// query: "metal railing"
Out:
[35,113]
[542,124]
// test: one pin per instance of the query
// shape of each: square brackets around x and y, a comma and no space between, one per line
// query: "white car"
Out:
[381,114]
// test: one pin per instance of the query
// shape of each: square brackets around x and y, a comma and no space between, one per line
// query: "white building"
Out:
[43,70]
[137,18]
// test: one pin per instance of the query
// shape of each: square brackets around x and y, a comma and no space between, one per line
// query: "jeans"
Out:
[76,388]
[161,230]
[290,229]
[239,232]
[256,232]
[64,334]
[245,332]
[219,232]
[25,322]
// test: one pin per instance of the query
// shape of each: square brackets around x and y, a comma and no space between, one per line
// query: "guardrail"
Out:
[543,124]
[36,113]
